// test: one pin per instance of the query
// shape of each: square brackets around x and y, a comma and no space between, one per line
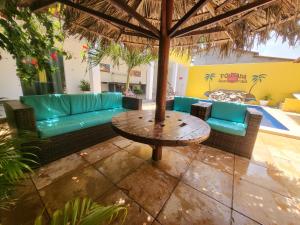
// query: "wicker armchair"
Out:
[240,145]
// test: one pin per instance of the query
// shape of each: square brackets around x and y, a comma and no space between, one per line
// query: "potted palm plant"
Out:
[265,100]
[85,86]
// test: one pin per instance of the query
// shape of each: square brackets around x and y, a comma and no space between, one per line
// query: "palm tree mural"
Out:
[257,78]
[209,77]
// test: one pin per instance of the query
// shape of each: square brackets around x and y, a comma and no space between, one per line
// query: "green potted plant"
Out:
[265,100]
[85,86]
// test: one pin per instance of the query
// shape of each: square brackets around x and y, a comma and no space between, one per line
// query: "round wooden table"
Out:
[178,129]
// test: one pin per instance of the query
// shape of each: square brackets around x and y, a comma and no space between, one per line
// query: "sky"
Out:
[276,48]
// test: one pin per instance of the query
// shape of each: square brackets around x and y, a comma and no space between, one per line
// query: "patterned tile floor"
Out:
[191,185]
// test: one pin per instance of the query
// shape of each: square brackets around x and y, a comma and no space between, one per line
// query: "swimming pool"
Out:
[268,120]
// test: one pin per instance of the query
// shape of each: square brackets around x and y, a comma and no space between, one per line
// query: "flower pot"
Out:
[263,102]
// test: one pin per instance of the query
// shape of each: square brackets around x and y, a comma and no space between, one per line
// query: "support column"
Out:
[163,59]
[174,76]
[95,79]
[150,76]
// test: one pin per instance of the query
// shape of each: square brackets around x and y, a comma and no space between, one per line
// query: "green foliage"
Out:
[117,52]
[137,91]
[267,97]
[134,58]
[30,38]
[97,52]
[84,85]
[85,212]
[14,162]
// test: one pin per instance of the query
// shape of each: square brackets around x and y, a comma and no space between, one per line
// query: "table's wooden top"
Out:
[177,129]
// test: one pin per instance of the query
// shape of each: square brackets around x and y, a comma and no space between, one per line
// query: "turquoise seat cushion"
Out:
[183,104]
[111,100]
[48,106]
[234,112]
[57,126]
[228,127]
[82,103]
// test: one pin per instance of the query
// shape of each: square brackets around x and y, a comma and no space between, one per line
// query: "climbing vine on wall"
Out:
[33,39]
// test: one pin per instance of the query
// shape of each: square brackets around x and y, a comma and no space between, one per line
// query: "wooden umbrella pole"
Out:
[163,59]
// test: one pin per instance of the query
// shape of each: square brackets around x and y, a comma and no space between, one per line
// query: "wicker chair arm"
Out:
[201,110]
[132,103]
[253,119]
[170,104]
[19,116]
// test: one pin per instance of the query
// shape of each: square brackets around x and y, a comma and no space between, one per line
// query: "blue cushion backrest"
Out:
[82,103]
[183,104]
[48,106]
[230,111]
[111,100]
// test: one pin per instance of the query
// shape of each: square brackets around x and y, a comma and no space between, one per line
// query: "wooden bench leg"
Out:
[157,152]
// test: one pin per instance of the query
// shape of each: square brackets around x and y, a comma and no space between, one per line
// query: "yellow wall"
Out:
[282,79]
[291,105]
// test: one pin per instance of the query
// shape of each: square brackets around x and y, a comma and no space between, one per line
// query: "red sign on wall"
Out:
[233,78]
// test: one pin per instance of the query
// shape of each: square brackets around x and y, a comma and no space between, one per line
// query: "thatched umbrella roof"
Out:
[236,23]
[179,24]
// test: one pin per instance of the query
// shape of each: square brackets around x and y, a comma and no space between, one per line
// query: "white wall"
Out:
[10,86]
[75,69]
[119,73]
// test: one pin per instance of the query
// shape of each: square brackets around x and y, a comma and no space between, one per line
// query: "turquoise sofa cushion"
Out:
[234,112]
[228,127]
[57,126]
[183,104]
[82,103]
[48,106]
[111,100]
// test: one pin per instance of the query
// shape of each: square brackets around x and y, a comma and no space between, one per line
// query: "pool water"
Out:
[268,120]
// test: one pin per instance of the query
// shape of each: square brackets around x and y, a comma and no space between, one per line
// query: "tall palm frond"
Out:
[14,163]
[85,212]
[97,51]
[134,58]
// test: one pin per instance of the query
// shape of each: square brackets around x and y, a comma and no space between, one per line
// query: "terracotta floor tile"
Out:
[281,178]
[187,206]
[136,215]
[28,206]
[49,173]
[118,165]
[150,187]
[121,142]
[210,181]
[80,183]
[219,159]
[189,151]
[172,163]
[264,206]
[140,150]
[239,219]
[98,152]
[156,223]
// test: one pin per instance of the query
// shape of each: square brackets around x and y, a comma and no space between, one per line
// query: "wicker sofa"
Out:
[234,126]
[65,124]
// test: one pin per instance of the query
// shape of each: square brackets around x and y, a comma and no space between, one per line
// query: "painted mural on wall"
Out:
[232,95]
